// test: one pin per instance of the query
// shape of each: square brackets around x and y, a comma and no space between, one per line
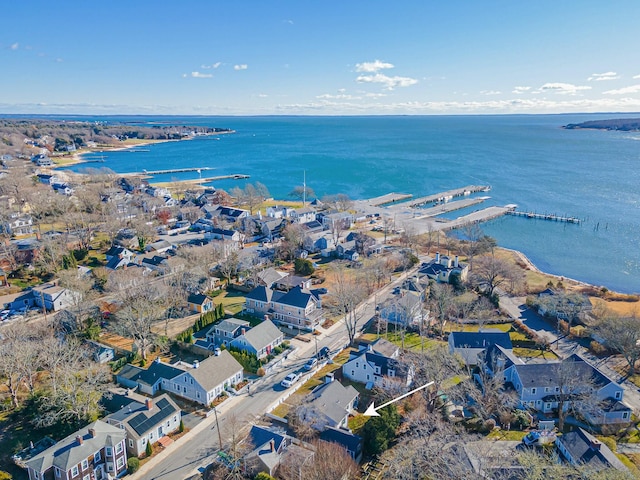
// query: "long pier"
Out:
[387,199]
[483,215]
[172,170]
[450,207]
[545,216]
[448,195]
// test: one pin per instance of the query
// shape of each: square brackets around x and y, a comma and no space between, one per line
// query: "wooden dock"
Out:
[448,195]
[545,216]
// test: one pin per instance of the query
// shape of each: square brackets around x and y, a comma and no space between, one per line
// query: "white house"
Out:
[207,379]
[370,367]
[442,267]
[54,297]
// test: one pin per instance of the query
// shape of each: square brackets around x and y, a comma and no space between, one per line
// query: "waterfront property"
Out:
[443,268]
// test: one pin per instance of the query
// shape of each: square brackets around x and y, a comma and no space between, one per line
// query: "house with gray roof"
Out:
[349,441]
[469,345]
[540,385]
[146,423]
[268,448]
[118,257]
[580,448]
[371,368]
[93,452]
[199,303]
[268,277]
[443,267]
[205,380]
[298,308]
[259,340]
[223,332]
[148,380]
[404,309]
[329,405]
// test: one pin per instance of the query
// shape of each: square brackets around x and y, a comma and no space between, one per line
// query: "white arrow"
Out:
[372,410]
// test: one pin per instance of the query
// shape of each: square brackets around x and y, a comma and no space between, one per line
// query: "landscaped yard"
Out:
[232,300]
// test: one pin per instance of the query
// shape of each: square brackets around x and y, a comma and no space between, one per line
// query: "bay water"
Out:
[528,160]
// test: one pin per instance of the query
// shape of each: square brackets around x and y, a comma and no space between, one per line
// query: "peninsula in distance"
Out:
[621,124]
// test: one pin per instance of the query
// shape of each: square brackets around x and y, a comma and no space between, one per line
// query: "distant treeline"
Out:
[17,136]
[622,124]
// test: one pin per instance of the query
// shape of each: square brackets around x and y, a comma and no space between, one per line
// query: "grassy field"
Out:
[232,300]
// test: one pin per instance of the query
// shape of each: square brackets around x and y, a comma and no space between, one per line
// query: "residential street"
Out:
[198,448]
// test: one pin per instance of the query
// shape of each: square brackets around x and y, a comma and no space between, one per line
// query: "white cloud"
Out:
[209,67]
[243,66]
[371,67]
[339,96]
[562,88]
[599,77]
[491,92]
[200,75]
[389,82]
[624,91]
[636,76]
[15,46]
[519,90]
[59,60]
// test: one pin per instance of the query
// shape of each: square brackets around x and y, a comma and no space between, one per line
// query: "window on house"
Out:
[557,389]
[533,391]
[357,365]
[352,373]
[74,471]
[625,415]
[120,462]
[546,389]
[85,464]
[118,448]
[97,457]
[36,475]
[547,406]
[108,452]
[618,395]
[86,477]
[109,467]
[130,443]
[58,473]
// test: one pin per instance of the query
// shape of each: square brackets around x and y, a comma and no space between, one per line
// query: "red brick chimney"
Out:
[272,445]
[79,439]
[149,403]
[92,432]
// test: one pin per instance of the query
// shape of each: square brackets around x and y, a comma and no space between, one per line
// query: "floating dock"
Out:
[448,195]
[476,217]
[545,216]
[450,207]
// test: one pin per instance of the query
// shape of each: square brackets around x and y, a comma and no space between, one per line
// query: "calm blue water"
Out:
[527,160]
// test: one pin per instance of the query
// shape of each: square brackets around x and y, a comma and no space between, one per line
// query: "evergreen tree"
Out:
[149,449]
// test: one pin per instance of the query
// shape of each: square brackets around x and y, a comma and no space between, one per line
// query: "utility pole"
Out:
[215,410]
[304,188]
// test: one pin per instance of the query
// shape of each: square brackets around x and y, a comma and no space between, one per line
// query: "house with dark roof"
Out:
[267,277]
[205,380]
[580,448]
[225,213]
[146,423]
[93,452]
[298,308]
[371,368]
[442,267]
[540,385]
[268,447]
[288,282]
[404,309]
[101,353]
[259,340]
[215,233]
[223,332]
[351,442]
[329,405]
[199,303]
[150,380]
[469,345]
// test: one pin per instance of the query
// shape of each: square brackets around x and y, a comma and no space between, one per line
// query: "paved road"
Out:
[193,453]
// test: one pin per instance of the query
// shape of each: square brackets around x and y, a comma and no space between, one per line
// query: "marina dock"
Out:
[450,207]
[448,195]
[483,215]
[545,216]
[387,199]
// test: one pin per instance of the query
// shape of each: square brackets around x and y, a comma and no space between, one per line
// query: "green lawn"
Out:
[233,301]
[534,353]
[508,435]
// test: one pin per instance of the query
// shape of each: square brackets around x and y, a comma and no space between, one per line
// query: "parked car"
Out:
[289,380]
[323,352]
[311,363]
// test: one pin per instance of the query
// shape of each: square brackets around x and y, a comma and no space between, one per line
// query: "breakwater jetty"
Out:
[545,216]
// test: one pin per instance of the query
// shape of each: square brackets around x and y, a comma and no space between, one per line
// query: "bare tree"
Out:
[340,202]
[492,272]
[229,265]
[252,196]
[441,304]
[622,335]
[141,310]
[344,298]
[302,192]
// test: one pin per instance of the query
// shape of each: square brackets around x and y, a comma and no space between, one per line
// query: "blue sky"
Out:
[347,57]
